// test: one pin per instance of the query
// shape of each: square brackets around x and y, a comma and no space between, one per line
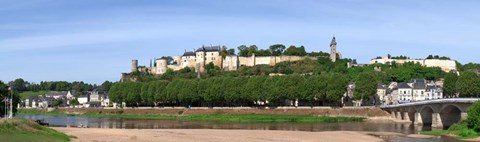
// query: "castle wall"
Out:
[230,63]
[263,60]
[175,67]
[445,65]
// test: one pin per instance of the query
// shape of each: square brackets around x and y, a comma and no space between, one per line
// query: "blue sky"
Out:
[95,40]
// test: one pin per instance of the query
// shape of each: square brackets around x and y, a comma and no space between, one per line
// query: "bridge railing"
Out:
[436,101]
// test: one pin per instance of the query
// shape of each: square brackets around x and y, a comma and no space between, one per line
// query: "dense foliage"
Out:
[4,94]
[473,118]
[450,84]
[233,91]
[366,86]
[468,84]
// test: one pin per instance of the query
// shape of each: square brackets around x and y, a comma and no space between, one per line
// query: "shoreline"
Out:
[187,135]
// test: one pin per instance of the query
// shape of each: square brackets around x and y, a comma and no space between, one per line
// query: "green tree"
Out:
[159,89]
[188,92]
[294,51]
[473,118]
[19,84]
[271,90]
[5,94]
[74,102]
[365,86]
[252,50]
[145,93]
[243,50]
[336,87]
[468,84]
[253,90]
[277,49]
[106,85]
[449,84]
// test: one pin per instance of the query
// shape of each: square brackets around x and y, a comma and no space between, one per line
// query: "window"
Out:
[421,92]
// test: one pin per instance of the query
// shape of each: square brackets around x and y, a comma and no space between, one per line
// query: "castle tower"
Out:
[200,59]
[161,66]
[334,55]
[134,65]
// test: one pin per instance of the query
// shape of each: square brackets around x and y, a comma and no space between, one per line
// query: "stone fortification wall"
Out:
[445,65]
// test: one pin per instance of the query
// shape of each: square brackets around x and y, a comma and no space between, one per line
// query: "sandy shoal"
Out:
[212,135]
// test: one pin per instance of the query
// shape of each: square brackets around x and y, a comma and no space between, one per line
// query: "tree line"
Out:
[21,85]
[322,89]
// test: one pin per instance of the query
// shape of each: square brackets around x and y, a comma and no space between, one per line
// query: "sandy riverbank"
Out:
[212,135]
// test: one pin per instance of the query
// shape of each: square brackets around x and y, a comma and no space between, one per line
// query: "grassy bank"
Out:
[21,130]
[214,117]
[460,131]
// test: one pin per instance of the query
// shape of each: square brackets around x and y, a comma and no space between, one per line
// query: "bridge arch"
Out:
[450,114]
[426,113]
[411,113]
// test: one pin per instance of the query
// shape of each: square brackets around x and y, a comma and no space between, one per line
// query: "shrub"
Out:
[473,119]
[467,133]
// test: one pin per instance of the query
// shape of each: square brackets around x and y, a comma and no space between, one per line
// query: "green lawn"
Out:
[243,118]
[21,130]
[27,94]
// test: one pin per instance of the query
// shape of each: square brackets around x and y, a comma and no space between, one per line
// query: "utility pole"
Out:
[11,102]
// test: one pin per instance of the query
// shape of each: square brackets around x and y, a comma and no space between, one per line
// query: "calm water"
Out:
[380,126]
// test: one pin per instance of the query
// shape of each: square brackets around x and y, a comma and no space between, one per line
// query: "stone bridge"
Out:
[440,113]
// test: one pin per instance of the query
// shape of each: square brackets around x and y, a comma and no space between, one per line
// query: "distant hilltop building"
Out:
[198,58]
[446,65]
[334,55]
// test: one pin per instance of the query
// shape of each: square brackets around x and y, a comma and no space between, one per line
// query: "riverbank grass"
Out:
[21,130]
[459,130]
[242,118]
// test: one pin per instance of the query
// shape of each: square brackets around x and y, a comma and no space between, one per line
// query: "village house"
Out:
[434,92]
[404,92]
[419,87]
[382,93]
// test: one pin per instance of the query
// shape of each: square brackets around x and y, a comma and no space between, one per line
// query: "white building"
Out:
[405,92]
[83,99]
[434,92]
[419,87]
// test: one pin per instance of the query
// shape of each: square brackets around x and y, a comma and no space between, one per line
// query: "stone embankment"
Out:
[327,111]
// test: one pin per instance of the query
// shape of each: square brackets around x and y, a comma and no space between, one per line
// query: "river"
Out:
[121,123]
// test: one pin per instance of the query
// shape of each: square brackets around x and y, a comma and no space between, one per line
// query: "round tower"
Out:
[161,66]
[134,65]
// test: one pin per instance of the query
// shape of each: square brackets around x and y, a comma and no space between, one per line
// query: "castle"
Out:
[197,59]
